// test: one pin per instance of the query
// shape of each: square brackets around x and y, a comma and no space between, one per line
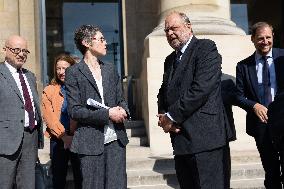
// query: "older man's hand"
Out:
[167,124]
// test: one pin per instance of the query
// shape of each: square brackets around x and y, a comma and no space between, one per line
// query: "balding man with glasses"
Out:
[20,118]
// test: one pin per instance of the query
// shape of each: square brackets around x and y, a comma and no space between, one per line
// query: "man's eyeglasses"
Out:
[17,51]
[101,39]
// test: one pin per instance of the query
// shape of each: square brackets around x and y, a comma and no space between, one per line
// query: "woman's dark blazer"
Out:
[80,84]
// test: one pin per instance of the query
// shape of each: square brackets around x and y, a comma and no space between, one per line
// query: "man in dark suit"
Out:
[191,108]
[258,80]
[20,118]
[229,97]
[100,138]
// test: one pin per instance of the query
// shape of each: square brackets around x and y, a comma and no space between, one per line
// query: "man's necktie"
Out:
[266,82]
[28,101]
[177,59]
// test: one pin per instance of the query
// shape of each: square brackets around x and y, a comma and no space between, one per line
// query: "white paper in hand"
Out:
[96,104]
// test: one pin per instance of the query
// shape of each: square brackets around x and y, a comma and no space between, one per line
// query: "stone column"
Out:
[210,19]
[207,16]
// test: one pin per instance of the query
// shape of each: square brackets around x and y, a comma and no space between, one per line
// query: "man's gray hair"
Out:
[184,17]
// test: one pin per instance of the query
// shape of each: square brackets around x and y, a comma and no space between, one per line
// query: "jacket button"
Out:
[23,107]
[22,121]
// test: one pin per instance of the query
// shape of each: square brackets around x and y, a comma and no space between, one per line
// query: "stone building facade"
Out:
[144,45]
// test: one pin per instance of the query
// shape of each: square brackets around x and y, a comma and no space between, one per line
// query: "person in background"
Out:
[100,137]
[60,128]
[259,78]
[20,118]
[229,97]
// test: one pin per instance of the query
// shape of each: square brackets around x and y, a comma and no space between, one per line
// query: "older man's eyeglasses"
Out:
[17,51]
[101,39]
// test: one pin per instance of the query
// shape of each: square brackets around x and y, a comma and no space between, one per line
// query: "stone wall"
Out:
[140,19]
[20,17]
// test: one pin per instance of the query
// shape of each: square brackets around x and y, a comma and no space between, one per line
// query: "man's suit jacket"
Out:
[247,88]
[12,111]
[192,96]
[229,96]
[81,85]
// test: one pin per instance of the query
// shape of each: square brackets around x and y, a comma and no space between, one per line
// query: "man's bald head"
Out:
[16,51]
[13,39]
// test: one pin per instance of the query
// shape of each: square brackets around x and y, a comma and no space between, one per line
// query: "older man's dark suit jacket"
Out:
[81,85]
[192,96]
[247,88]
[12,112]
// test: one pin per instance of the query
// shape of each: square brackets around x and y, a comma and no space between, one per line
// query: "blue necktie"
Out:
[266,82]
[177,59]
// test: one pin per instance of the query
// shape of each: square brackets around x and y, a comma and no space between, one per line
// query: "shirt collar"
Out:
[11,68]
[185,46]
[258,56]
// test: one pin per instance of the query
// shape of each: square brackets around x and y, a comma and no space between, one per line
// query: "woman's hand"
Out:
[117,114]
[67,141]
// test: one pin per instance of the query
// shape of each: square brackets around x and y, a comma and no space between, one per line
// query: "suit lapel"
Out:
[171,69]
[84,69]
[252,75]
[10,80]
[185,60]
[278,60]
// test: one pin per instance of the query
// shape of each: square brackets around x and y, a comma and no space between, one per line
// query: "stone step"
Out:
[235,184]
[149,177]
[239,157]
[145,179]
[239,171]
[136,152]
[247,171]
[151,163]
[134,124]
[136,132]
[149,172]
[155,186]
[138,141]
[162,174]
[256,183]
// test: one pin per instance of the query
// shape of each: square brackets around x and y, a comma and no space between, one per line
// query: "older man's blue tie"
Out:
[266,82]
[28,101]
[177,59]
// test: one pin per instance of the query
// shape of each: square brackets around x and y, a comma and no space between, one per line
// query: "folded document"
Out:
[96,104]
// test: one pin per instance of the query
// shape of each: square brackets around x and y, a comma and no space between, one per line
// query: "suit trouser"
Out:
[278,143]
[269,158]
[59,164]
[205,170]
[18,170]
[106,170]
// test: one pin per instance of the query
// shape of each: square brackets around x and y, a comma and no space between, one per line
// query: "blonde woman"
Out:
[60,127]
